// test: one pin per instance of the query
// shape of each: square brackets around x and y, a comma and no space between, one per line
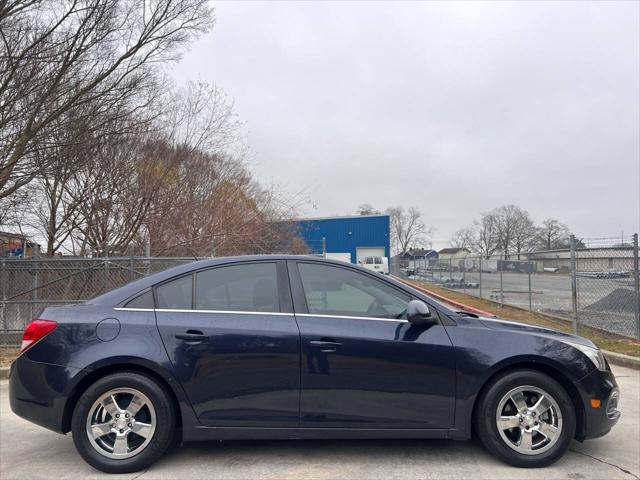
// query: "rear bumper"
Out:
[602,386]
[38,391]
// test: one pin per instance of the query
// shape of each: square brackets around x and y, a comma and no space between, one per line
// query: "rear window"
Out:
[246,287]
[378,261]
[176,294]
[144,300]
[368,260]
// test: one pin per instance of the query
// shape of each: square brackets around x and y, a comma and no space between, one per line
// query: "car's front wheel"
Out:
[123,423]
[526,418]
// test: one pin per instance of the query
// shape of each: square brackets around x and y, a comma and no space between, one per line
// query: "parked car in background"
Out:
[297,347]
[377,264]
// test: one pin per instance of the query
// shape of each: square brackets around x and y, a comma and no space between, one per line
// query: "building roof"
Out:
[12,235]
[309,219]
[453,250]
[419,252]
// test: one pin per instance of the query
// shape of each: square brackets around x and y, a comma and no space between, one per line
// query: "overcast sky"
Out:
[455,108]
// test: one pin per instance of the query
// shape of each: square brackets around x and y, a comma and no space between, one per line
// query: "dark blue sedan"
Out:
[300,347]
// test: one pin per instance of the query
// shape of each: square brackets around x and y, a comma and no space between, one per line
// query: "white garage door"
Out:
[363,252]
[343,257]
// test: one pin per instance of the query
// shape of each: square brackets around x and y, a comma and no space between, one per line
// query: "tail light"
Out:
[35,331]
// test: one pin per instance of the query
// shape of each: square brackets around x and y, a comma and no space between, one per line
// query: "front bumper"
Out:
[598,421]
[38,392]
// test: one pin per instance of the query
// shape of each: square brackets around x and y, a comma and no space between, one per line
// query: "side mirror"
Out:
[419,314]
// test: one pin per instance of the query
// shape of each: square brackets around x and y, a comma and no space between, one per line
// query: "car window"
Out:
[249,287]
[144,300]
[176,294]
[378,261]
[368,260]
[333,290]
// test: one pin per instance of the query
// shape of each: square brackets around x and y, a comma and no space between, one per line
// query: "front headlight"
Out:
[594,354]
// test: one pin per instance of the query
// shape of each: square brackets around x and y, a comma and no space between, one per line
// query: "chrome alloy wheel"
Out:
[121,423]
[529,420]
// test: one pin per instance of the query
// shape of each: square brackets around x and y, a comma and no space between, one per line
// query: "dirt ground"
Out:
[8,355]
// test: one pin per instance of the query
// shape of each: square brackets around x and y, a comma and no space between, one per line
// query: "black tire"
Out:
[159,440]
[488,432]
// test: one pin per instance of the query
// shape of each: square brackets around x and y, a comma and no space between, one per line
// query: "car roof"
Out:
[124,293]
[120,294]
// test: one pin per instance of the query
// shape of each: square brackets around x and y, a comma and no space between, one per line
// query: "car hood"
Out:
[509,325]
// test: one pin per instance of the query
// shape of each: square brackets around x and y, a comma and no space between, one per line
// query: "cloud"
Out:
[452,107]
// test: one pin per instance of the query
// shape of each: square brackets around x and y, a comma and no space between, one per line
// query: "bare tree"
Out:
[484,236]
[209,198]
[113,193]
[367,209]
[463,238]
[407,228]
[507,218]
[12,210]
[524,233]
[552,234]
[59,54]
[515,228]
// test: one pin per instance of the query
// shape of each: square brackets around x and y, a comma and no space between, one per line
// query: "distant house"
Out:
[599,259]
[453,255]
[416,257]
[12,245]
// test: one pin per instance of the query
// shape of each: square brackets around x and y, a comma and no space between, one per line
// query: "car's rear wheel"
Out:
[526,418]
[123,422]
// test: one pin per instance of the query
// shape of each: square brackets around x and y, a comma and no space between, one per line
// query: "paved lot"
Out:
[551,293]
[30,452]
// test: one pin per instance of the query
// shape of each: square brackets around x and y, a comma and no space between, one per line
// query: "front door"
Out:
[234,343]
[363,364]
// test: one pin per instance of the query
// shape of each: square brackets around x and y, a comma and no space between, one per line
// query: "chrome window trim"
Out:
[245,312]
[241,312]
[179,310]
[349,317]
[131,309]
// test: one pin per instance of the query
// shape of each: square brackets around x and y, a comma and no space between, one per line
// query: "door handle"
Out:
[325,345]
[192,336]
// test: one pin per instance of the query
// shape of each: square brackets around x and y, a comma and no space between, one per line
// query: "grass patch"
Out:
[605,340]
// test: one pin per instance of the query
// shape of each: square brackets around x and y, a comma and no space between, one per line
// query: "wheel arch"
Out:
[81,386]
[547,369]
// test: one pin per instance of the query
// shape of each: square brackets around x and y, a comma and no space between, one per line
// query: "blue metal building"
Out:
[351,237]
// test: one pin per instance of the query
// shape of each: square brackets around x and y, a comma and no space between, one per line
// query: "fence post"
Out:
[501,291]
[34,286]
[636,276]
[3,315]
[324,247]
[464,275]
[574,283]
[131,276]
[106,274]
[480,275]
[147,254]
[529,269]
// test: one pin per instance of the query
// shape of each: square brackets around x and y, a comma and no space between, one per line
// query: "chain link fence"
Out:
[596,283]
[593,283]
[29,285]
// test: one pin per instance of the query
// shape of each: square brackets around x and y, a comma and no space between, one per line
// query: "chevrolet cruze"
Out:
[290,347]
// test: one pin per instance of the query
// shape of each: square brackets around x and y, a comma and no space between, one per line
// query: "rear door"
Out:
[234,343]
[363,364]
